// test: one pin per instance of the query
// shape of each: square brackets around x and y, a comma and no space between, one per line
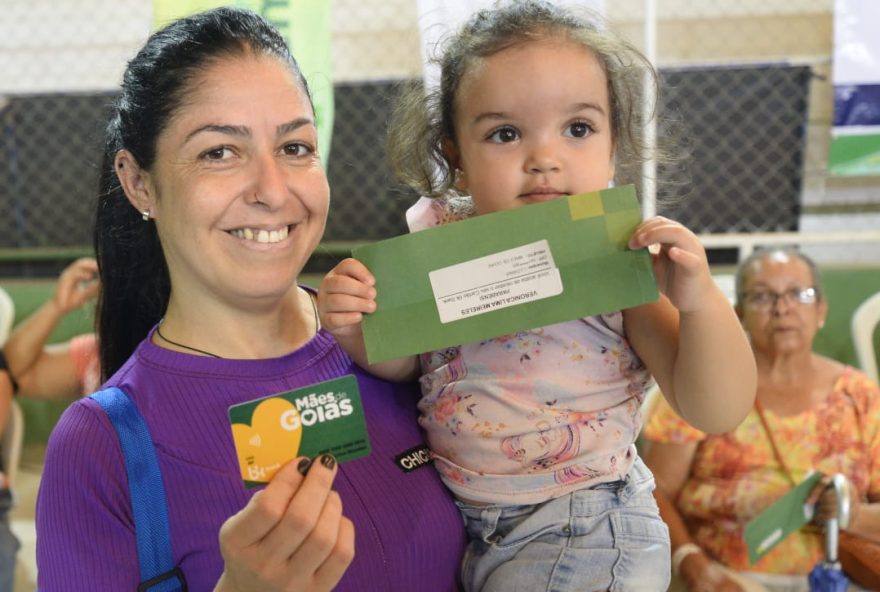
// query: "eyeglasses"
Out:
[765,300]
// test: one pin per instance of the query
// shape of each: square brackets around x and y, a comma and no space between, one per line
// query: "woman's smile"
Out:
[262,235]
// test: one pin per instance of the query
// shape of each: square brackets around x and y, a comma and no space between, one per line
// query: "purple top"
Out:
[409,534]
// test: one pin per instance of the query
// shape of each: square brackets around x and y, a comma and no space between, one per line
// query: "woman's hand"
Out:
[701,574]
[681,266]
[825,498]
[77,284]
[345,295]
[291,536]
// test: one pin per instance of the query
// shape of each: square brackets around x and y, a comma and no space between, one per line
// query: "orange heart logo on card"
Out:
[272,438]
[325,417]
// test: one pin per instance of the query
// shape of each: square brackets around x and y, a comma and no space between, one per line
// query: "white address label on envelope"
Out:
[515,276]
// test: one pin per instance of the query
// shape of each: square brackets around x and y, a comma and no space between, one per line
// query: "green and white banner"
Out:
[855,142]
[305,24]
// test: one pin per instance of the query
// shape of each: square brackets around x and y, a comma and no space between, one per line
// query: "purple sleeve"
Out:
[85,532]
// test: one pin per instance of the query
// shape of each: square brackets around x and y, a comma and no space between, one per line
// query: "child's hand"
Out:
[345,294]
[681,266]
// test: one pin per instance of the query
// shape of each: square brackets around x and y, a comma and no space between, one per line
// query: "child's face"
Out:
[532,124]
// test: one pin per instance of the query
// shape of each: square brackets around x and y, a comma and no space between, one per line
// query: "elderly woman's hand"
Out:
[702,574]
[291,536]
[825,498]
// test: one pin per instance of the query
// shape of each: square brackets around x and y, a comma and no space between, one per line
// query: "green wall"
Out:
[845,290]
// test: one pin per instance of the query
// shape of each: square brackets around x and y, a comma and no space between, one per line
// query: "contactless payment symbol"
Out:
[323,417]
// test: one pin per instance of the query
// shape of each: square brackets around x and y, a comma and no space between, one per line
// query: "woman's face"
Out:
[237,192]
[779,310]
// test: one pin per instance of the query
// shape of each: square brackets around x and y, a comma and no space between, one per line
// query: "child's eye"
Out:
[579,129]
[503,135]
[297,149]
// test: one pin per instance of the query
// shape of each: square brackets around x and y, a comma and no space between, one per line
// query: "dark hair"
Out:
[419,126]
[135,281]
[748,264]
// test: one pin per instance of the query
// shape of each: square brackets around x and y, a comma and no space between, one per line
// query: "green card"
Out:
[787,514]
[505,272]
[323,417]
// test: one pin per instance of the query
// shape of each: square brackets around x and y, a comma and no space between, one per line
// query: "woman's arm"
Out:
[52,375]
[671,465]
[864,509]
[85,536]
[865,519]
[48,371]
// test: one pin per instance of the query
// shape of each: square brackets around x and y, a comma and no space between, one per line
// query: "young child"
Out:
[534,432]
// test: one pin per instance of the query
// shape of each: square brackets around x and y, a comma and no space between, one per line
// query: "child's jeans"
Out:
[609,537]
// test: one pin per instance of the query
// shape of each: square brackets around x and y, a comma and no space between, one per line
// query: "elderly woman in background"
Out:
[811,413]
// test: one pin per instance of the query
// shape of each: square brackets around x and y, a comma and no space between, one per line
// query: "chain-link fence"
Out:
[748,78]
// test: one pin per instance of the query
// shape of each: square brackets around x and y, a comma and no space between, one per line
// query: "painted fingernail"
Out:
[328,461]
[303,466]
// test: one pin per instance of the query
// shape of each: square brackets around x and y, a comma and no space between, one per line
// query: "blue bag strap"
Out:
[147,492]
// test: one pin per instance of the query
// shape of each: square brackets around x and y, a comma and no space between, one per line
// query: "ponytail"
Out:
[134,277]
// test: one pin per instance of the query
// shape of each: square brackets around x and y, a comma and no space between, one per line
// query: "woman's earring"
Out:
[458,179]
[145,215]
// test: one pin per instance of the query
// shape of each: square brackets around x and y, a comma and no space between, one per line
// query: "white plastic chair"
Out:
[727,283]
[864,321]
[7,315]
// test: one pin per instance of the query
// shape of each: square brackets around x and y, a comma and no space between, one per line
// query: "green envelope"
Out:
[505,272]
[783,517]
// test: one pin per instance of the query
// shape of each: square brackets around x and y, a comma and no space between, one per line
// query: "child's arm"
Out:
[345,295]
[691,339]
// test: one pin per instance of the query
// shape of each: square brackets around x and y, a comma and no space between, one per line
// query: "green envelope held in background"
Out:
[786,515]
[505,272]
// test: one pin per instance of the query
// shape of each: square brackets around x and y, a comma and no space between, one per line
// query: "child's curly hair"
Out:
[420,124]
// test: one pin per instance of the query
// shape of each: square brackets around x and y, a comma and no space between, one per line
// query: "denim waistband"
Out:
[583,502]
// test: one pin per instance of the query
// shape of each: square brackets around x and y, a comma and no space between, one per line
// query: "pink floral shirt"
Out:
[527,417]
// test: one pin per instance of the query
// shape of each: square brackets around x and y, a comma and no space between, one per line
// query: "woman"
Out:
[819,414]
[222,200]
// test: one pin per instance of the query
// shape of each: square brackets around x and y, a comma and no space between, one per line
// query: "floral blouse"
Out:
[735,476]
[527,417]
